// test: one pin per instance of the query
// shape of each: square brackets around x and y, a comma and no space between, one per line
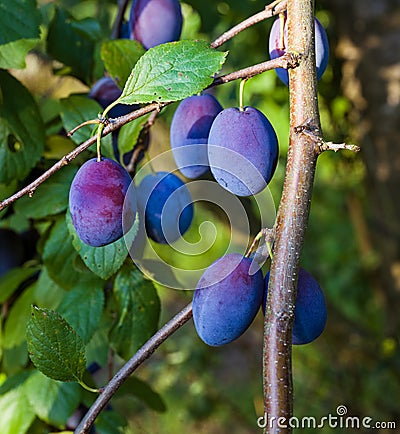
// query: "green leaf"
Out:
[12,280]
[52,401]
[62,260]
[138,308]
[19,19]
[54,346]
[69,43]
[140,389]
[82,308]
[171,72]
[119,57]
[103,261]
[50,198]
[21,130]
[16,412]
[129,134]
[13,54]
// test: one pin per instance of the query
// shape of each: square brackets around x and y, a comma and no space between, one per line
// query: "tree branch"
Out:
[113,124]
[116,30]
[270,10]
[292,217]
[137,359]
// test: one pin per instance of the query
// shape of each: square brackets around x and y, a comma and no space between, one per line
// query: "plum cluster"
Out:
[228,297]
[278,44]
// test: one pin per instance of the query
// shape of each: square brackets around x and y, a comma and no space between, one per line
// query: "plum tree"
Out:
[242,150]
[166,205]
[96,201]
[226,299]
[154,22]
[277,47]
[191,126]
[310,311]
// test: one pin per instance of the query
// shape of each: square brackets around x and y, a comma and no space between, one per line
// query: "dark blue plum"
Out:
[310,311]
[96,200]
[154,22]
[190,126]
[242,150]
[166,204]
[105,91]
[226,299]
[11,250]
[276,49]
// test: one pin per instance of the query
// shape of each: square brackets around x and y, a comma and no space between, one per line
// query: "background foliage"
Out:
[186,386]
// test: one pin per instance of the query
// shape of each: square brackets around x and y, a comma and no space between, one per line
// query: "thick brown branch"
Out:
[270,10]
[292,218]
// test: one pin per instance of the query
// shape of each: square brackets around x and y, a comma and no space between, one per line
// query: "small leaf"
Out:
[17,414]
[50,198]
[103,261]
[19,19]
[21,130]
[139,311]
[172,71]
[54,346]
[13,54]
[53,402]
[82,308]
[119,57]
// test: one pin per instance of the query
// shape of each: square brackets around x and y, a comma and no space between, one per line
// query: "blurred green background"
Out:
[352,243]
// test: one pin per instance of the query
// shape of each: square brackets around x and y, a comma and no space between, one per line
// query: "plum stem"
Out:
[89,122]
[88,388]
[131,365]
[241,94]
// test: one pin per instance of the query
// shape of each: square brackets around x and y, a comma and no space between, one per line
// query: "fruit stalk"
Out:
[292,217]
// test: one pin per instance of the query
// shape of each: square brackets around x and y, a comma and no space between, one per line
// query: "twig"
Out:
[330,146]
[270,10]
[114,124]
[142,354]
